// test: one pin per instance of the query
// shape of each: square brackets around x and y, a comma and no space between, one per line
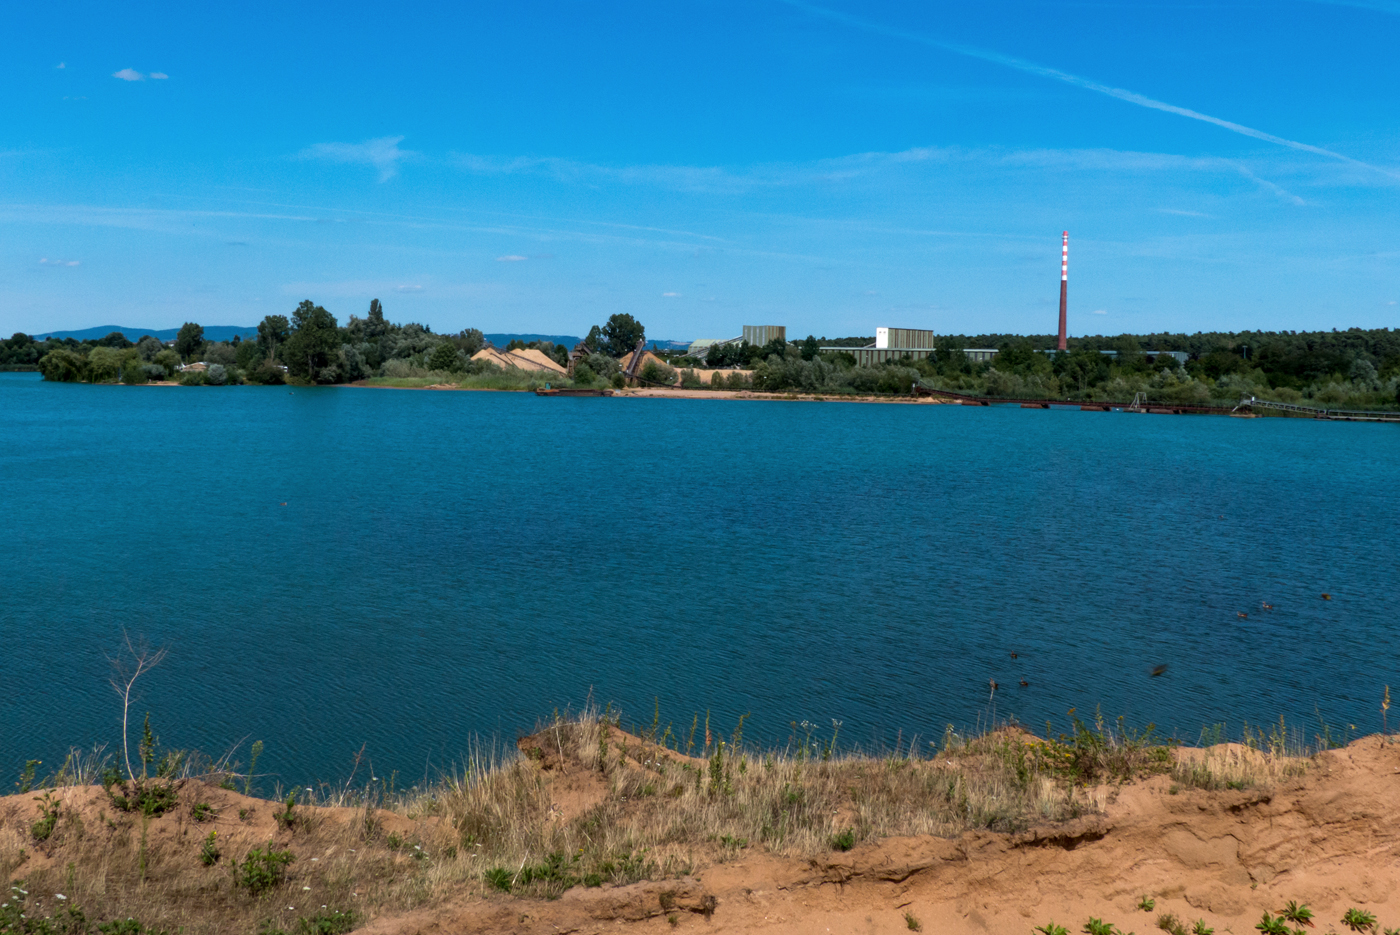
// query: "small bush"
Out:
[262,869]
[192,378]
[209,852]
[843,841]
[690,379]
[202,811]
[48,817]
[912,922]
[1050,928]
[500,878]
[287,819]
[1170,924]
[1098,927]
[1273,925]
[1147,904]
[216,375]
[653,372]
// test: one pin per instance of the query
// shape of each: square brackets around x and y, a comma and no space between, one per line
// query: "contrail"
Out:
[1031,68]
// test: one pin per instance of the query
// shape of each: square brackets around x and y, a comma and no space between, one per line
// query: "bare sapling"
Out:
[125,674]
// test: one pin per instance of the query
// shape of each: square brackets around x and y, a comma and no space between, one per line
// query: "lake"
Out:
[337,569]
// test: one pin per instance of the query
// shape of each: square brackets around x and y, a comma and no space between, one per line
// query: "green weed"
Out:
[1098,927]
[843,841]
[1300,914]
[1147,904]
[262,869]
[1200,928]
[1273,925]
[48,817]
[209,851]
[1359,920]
[1170,924]
[1050,928]
[912,922]
[202,811]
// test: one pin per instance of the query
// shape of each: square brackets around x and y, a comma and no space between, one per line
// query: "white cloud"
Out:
[671,295]
[62,64]
[413,288]
[45,261]
[1391,302]
[511,258]
[159,75]
[1099,311]
[1185,214]
[129,74]
[382,153]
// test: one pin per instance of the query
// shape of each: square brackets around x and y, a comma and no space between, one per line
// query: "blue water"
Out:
[399,570]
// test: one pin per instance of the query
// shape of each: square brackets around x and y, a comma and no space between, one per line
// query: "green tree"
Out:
[595,340]
[149,346]
[62,366]
[443,357]
[189,340]
[115,339]
[103,365]
[310,352]
[375,325]
[272,334]
[621,334]
[810,348]
[167,359]
[248,355]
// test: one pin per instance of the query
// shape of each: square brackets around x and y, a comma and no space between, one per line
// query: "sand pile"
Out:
[1321,831]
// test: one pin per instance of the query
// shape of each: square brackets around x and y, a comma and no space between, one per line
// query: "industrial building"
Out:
[759,335]
[891,344]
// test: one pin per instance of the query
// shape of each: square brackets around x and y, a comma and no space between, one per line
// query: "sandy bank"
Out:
[1325,833]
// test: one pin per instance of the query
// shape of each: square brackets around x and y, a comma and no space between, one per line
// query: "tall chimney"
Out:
[1064,287]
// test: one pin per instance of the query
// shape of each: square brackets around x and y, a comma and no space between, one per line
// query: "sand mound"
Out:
[1324,833]
[1327,838]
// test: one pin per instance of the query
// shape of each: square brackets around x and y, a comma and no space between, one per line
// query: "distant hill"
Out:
[211,333]
[501,340]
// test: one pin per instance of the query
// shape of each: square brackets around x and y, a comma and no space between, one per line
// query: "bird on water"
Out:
[1158,670]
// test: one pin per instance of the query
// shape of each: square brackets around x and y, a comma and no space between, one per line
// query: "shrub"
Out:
[690,379]
[191,378]
[737,381]
[154,371]
[217,375]
[48,817]
[268,374]
[262,869]
[583,374]
[62,366]
[134,373]
[844,841]
[209,851]
[618,381]
[653,372]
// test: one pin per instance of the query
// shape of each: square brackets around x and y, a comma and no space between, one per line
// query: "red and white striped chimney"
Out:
[1064,287]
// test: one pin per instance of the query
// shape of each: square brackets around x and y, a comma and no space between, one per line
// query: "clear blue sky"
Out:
[536,167]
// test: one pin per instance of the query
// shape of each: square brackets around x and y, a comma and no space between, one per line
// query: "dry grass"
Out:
[580,803]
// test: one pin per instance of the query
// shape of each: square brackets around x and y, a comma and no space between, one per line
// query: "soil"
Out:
[1327,838]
